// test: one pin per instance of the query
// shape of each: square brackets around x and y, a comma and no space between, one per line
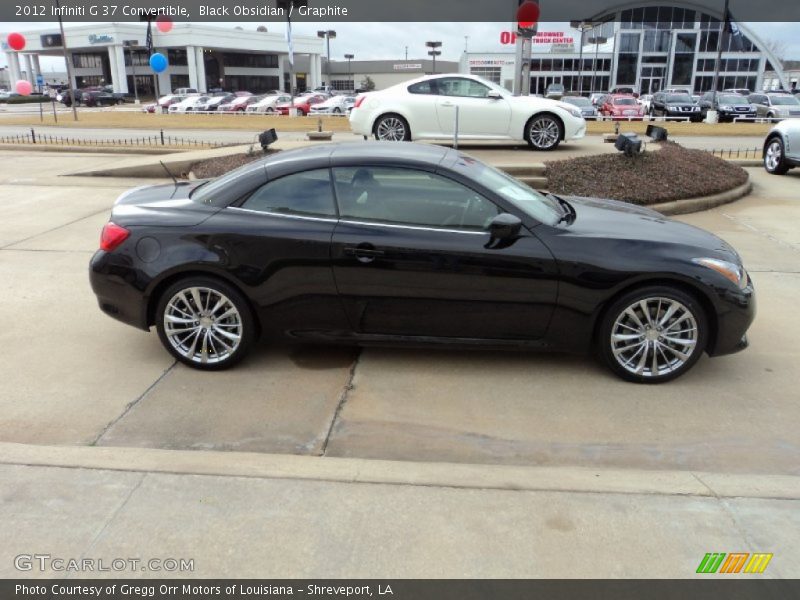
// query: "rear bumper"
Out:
[115,286]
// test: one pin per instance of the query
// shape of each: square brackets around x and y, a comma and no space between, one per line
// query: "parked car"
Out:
[324,89]
[742,91]
[678,90]
[424,108]
[554,91]
[667,104]
[583,104]
[621,106]
[166,101]
[696,99]
[5,96]
[625,91]
[238,104]
[303,104]
[645,100]
[596,98]
[335,105]
[775,105]
[212,103]
[728,106]
[782,147]
[268,103]
[184,91]
[100,99]
[188,104]
[66,99]
[395,243]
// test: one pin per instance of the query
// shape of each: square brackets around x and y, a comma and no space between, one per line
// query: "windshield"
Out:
[679,98]
[728,99]
[577,101]
[784,100]
[528,200]
[625,101]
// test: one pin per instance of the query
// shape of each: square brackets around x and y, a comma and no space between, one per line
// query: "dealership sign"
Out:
[541,37]
[490,62]
[407,66]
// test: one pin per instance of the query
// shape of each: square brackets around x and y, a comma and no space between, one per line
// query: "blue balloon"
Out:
[158,62]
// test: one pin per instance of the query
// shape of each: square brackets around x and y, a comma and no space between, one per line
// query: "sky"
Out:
[389,40]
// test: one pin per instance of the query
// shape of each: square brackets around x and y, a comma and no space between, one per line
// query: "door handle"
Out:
[364,253]
[447,104]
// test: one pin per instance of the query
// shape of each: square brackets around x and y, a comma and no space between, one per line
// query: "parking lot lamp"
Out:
[66,60]
[434,52]
[350,57]
[327,35]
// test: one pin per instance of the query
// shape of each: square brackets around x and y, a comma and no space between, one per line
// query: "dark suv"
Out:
[728,106]
[97,98]
[664,104]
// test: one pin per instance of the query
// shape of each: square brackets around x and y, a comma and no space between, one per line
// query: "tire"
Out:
[192,301]
[337,111]
[775,157]
[392,128]
[625,333]
[544,132]
[270,110]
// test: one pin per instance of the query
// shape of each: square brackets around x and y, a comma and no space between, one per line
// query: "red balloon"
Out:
[24,87]
[16,41]
[528,14]
[164,24]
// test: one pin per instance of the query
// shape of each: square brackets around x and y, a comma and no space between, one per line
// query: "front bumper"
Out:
[735,314]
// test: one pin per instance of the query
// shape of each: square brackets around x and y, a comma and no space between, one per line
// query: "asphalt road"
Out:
[71,375]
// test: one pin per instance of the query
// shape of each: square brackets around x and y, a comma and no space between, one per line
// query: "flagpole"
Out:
[725,17]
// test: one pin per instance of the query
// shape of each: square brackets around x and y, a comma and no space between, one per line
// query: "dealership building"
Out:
[200,57]
[648,48]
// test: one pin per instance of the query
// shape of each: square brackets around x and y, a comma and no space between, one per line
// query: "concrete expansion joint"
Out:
[348,386]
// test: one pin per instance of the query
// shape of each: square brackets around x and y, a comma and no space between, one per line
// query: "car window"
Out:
[462,87]
[423,87]
[624,101]
[729,99]
[410,197]
[306,193]
[784,100]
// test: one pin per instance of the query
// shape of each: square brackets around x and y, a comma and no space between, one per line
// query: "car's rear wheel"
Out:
[392,128]
[270,110]
[653,334]
[774,158]
[544,132]
[205,323]
[337,110]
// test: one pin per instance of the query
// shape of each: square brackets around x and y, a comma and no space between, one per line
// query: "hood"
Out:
[166,204]
[620,220]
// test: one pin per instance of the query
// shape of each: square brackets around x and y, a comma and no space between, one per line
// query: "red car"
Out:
[621,106]
[303,104]
[238,104]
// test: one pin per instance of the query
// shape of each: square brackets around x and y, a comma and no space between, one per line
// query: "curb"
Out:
[367,471]
[691,205]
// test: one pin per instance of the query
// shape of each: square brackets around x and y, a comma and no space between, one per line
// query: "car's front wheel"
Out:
[774,159]
[653,334]
[392,128]
[205,323]
[544,132]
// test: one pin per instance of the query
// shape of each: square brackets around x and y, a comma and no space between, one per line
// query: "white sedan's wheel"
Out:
[544,132]
[392,128]
[773,157]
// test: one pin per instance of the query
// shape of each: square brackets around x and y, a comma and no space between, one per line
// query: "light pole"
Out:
[434,52]
[327,35]
[350,57]
[66,60]
[129,44]
[597,40]
[583,27]
[287,6]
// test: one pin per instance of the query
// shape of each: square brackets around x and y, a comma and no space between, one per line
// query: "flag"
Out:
[149,42]
[289,40]
[732,31]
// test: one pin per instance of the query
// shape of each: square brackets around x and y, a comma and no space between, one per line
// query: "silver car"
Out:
[782,147]
[775,105]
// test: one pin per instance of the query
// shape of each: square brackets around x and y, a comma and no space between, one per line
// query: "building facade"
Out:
[353,75]
[200,56]
[648,48]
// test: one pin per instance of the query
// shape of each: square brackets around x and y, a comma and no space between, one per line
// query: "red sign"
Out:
[541,37]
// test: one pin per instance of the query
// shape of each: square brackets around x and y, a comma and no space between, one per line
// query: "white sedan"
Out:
[335,105]
[268,103]
[188,105]
[425,108]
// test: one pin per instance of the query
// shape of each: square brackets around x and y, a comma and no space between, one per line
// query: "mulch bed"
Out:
[214,167]
[669,173]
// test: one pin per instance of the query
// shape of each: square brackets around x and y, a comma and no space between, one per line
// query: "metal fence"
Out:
[149,141]
[738,153]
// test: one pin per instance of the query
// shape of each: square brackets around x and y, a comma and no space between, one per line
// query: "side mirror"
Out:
[503,230]
[494,95]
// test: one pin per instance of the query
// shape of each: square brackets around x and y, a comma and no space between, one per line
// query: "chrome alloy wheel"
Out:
[654,336]
[774,156]
[544,132]
[391,129]
[202,325]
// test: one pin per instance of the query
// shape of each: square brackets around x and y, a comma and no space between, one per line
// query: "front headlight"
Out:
[726,107]
[731,271]
[575,112]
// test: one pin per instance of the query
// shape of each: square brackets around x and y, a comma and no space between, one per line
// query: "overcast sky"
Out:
[389,40]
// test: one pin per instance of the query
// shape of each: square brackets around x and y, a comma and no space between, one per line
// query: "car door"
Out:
[410,258]
[478,114]
[276,240]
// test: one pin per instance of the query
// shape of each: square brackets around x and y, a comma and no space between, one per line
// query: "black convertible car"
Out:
[373,243]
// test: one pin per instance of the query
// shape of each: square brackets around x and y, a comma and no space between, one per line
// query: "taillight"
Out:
[112,236]
[360,101]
